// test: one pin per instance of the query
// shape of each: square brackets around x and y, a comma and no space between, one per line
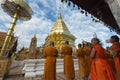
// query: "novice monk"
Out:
[100,69]
[87,49]
[115,50]
[50,64]
[82,63]
[69,72]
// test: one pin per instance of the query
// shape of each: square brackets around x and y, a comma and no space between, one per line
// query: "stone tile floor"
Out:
[59,76]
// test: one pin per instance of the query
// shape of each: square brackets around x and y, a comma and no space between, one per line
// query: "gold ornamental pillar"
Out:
[17,9]
[10,32]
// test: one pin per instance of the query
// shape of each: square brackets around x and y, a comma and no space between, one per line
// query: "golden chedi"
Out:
[59,34]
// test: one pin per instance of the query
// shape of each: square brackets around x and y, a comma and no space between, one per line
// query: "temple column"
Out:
[115,8]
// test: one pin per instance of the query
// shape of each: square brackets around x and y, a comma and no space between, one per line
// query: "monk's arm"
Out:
[93,52]
[71,50]
[76,52]
[62,51]
[56,53]
[44,53]
[113,52]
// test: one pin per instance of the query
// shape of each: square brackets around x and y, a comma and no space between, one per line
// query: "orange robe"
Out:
[116,47]
[68,62]
[111,61]
[100,69]
[50,63]
[82,62]
[88,59]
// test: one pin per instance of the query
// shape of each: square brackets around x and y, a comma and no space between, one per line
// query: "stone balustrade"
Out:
[35,67]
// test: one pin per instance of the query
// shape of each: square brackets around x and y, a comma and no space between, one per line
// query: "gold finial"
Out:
[59,16]
[59,12]
[34,35]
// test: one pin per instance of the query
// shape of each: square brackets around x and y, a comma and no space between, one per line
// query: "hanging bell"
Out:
[110,29]
[69,3]
[78,7]
[62,0]
[82,11]
[93,19]
[91,16]
[66,1]
[99,20]
[96,20]
[86,13]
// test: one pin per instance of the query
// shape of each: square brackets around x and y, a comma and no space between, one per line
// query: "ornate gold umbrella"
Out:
[17,9]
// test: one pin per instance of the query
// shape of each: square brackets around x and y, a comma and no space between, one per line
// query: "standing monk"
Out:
[100,69]
[50,64]
[115,50]
[69,72]
[87,49]
[82,62]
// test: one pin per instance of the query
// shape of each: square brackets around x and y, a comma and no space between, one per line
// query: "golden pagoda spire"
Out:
[59,12]
[34,36]
[59,16]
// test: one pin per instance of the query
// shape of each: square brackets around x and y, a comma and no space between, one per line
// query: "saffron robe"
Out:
[68,62]
[88,59]
[50,63]
[100,69]
[116,47]
[82,62]
[111,62]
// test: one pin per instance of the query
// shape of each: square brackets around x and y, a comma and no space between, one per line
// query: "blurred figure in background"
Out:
[87,50]
[80,53]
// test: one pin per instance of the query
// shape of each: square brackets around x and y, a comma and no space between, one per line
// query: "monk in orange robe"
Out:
[110,60]
[82,62]
[100,69]
[69,72]
[87,49]
[115,50]
[50,64]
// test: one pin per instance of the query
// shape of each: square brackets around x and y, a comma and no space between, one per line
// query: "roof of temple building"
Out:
[107,11]
[2,38]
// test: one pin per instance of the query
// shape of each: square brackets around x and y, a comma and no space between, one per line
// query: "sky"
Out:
[45,14]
